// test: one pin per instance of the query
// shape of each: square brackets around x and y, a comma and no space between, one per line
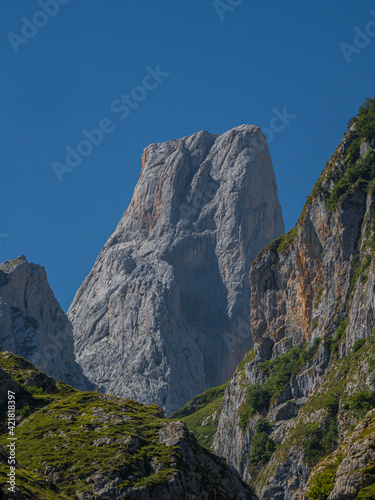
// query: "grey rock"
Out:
[7,384]
[202,475]
[33,325]
[302,291]
[164,313]
[357,456]
[364,148]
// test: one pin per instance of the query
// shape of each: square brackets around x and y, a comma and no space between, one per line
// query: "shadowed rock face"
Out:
[33,325]
[164,313]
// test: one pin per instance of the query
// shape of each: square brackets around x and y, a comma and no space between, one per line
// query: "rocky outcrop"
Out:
[164,313]
[349,472]
[203,475]
[88,445]
[312,310]
[33,325]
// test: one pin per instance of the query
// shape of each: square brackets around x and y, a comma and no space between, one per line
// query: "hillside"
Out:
[84,445]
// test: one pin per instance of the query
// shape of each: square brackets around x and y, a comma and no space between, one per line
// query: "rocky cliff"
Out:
[164,313]
[310,377]
[82,445]
[33,325]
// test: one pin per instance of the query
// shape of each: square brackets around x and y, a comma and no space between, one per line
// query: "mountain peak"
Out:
[168,298]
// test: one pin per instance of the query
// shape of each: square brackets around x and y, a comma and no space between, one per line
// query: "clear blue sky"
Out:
[223,72]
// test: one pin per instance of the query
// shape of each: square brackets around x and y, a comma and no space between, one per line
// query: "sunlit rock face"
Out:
[164,313]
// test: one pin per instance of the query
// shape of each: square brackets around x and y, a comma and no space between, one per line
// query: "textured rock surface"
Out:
[316,282]
[164,313]
[350,468]
[203,475]
[85,445]
[33,325]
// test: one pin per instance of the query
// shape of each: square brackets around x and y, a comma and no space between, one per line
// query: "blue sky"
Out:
[226,65]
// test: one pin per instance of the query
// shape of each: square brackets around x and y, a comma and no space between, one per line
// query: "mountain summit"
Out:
[164,313]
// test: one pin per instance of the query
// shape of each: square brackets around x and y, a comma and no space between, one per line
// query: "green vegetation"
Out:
[365,129]
[321,486]
[279,373]
[282,243]
[35,390]
[202,413]
[121,435]
[360,174]
[360,270]
[286,241]
[262,446]
[29,485]
[322,483]
[370,238]
[200,402]
[359,171]
[30,399]
[248,358]
[316,430]
[8,266]
[333,342]
[83,434]
[321,439]
[25,412]
[358,344]
[362,401]
[368,491]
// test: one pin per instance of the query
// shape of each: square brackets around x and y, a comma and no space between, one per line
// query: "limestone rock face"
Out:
[312,291]
[164,313]
[33,325]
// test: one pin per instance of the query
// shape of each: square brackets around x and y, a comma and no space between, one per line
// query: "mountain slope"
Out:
[201,414]
[310,377]
[83,445]
[164,313]
[33,325]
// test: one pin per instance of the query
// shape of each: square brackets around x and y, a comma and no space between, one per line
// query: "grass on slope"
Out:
[343,397]
[29,485]
[86,433]
[202,413]
[80,435]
